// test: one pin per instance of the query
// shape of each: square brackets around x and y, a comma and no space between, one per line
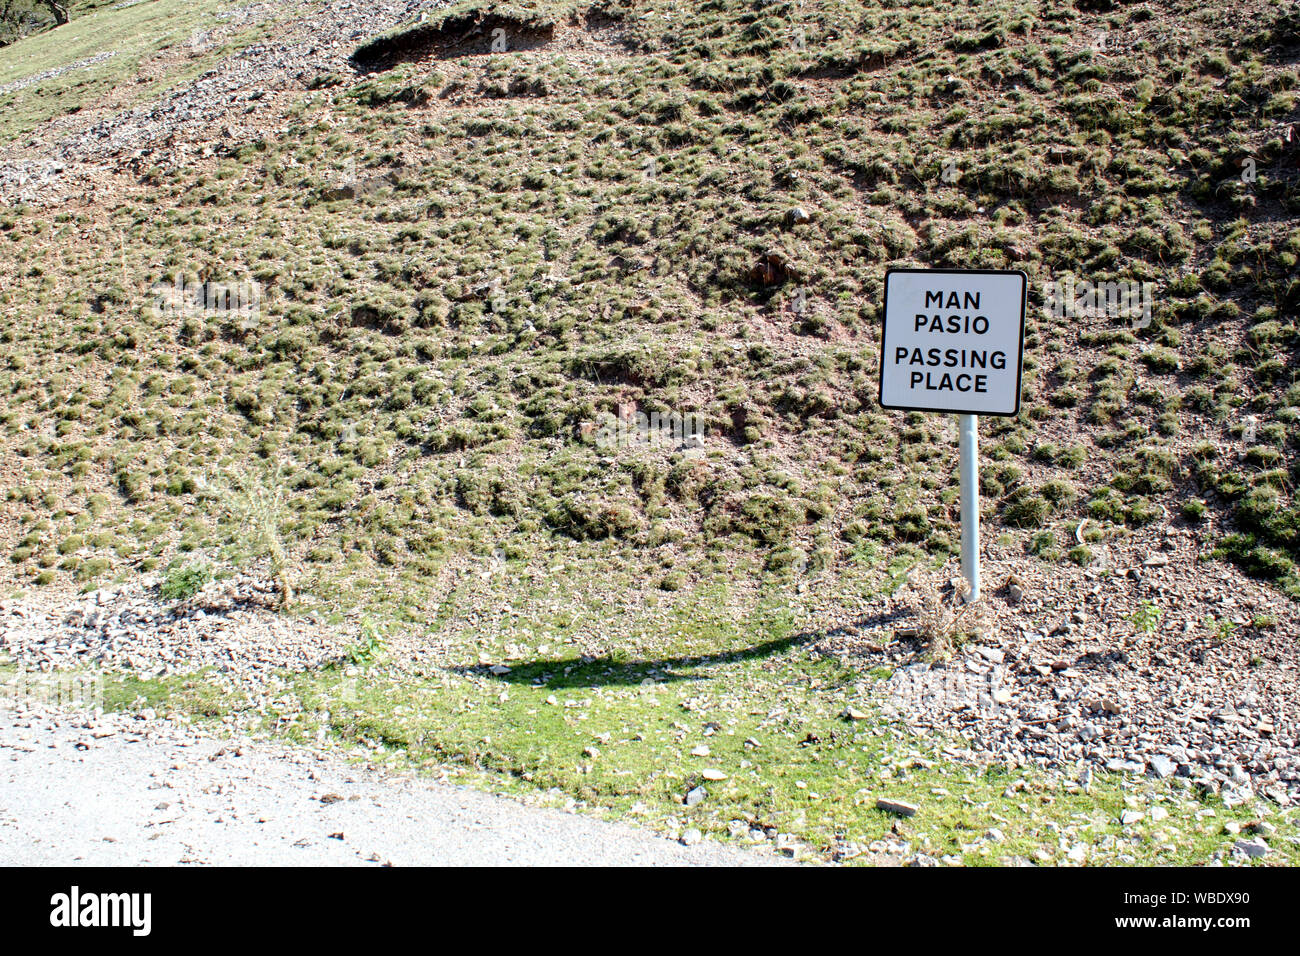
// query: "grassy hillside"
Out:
[578,222]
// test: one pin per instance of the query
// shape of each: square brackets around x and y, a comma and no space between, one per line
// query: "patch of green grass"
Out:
[547,238]
[192,696]
[183,580]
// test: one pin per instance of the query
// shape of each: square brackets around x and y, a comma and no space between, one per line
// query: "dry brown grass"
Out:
[252,499]
[945,620]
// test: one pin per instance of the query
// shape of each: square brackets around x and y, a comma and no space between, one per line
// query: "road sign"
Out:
[952,341]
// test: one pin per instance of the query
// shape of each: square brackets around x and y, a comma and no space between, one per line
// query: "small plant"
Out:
[1220,628]
[1146,618]
[371,646]
[1042,544]
[1026,509]
[945,625]
[180,582]
[253,501]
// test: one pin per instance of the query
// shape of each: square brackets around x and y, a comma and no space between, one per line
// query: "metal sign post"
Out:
[953,341]
[969,444]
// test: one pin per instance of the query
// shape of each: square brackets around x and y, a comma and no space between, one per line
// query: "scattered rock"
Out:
[1125,766]
[233,626]
[772,268]
[1161,766]
[899,807]
[1254,849]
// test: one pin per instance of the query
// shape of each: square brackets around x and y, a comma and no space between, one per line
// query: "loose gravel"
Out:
[1064,678]
[231,626]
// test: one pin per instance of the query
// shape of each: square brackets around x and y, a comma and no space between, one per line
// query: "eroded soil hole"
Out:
[474,34]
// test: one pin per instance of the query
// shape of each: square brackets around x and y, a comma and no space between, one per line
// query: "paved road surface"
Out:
[150,793]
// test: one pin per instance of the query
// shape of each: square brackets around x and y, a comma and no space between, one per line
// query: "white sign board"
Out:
[952,341]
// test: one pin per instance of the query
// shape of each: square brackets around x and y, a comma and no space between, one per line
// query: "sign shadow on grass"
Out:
[564,673]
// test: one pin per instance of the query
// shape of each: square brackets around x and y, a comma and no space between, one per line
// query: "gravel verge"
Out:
[1066,677]
[231,626]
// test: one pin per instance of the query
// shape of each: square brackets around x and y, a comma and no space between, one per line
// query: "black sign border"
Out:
[1020,353]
